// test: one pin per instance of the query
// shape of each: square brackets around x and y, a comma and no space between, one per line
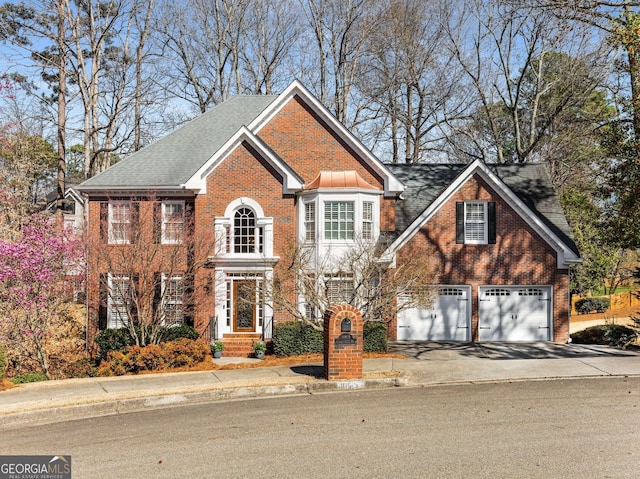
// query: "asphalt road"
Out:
[540,429]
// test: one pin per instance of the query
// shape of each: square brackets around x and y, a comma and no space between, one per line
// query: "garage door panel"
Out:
[514,313]
[447,320]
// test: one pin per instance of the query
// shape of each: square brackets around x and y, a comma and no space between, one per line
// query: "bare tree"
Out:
[201,43]
[272,31]
[307,284]
[507,52]
[412,80]
[144,264]
[339,31]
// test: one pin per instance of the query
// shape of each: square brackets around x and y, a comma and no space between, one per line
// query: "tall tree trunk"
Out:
[62,103]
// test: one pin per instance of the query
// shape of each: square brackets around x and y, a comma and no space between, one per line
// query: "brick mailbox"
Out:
[343,343]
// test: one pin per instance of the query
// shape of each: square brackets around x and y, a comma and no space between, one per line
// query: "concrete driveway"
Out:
[442,351]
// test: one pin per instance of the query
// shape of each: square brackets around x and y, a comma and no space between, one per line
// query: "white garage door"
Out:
[514,313]
[447,320]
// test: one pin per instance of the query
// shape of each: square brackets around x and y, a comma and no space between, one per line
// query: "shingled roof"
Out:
[424,183]
[172,160]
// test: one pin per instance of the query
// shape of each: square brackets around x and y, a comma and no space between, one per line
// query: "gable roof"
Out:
[527,188]
[171,161]
[176,161]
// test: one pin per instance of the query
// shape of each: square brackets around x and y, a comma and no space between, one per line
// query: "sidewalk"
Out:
[427,364]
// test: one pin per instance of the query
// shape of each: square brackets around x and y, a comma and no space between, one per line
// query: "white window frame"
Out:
[471,232]
[114,220]
[176,301]
[346,227]
[172,220]
[367,220]
[338,288]
[310,218]
[117,315]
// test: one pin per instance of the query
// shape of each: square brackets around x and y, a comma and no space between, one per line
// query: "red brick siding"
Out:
[519,257]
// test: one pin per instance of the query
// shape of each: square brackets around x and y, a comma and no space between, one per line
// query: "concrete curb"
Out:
[116,406]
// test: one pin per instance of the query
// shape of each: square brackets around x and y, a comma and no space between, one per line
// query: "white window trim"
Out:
[166,300]
[485,223]
[358,199]
[111,232]
[224,226]
[112,321]
[166,240]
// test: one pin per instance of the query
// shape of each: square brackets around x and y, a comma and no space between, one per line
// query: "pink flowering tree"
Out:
[34,288]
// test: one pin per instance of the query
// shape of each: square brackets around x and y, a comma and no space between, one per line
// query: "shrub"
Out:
[3,363]
[29,378]
[109,340]
[81,368]
[590,305]
[294,338]
[614,335]
[177,332]
[375,337]
[167,355]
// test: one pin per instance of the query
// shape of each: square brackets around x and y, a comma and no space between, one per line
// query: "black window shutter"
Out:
[104,222]
[460,222]
[157,222]
[157,294]
[135,221]
[134,296]
[103,299]
[491,214]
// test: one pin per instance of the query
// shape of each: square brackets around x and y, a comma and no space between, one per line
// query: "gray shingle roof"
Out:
[172,160]
[530,182]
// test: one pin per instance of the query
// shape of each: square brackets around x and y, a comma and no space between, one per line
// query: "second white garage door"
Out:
[514,313]
[447,320]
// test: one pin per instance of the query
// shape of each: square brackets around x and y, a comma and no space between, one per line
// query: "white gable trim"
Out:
[198,182]
[565,254]
[392,186]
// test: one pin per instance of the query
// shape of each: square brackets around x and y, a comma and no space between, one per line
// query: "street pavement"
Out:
[424,365]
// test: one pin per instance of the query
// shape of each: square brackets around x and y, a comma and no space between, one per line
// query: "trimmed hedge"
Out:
[614,335]
[375,337]
[294,338]
[167,355]
[178,332]
[591,305]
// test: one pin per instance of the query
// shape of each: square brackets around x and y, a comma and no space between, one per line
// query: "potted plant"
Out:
[259,349]
[216,348]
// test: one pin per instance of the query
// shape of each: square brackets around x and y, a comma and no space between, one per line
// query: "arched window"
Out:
[247,236]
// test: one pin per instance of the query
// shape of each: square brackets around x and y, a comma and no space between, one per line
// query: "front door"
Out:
[244,306]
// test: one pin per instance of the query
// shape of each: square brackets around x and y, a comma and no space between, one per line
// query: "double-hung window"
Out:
[173,300]
[338,220]
[339,289]
[367,220]
[172,222]
[119,297]
[120,221]
[310,222]
[476,222]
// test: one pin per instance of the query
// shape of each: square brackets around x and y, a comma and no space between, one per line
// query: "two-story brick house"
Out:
[260,173]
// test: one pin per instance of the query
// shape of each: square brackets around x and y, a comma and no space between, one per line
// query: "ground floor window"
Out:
[118,301]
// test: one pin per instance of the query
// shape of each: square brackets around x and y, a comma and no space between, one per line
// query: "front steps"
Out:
[239,345]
